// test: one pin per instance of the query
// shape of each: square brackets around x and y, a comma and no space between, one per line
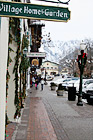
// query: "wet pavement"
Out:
[47,116]
[11,127]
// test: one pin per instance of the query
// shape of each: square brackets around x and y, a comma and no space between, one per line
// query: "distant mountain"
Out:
[57,50]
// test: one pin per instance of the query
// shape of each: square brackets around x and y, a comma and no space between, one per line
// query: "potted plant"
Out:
[53,86]
[60,90]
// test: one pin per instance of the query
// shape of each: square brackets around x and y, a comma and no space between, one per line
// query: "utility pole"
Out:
[3,67]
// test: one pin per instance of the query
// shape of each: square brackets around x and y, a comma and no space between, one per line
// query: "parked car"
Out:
[63,81]
[84,83]
[58,81]
[87,87]
[69,82]
[57,75]
[49,78]
[88,93]
[88,81]
[89,96]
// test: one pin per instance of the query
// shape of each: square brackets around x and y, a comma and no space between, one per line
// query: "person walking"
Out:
[42,83]
[36,83]
[33,81]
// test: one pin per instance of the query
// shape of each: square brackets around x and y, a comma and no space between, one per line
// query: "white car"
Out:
[88,93]
[58,81]
[49,78]
[87,87]
[77,83]
[69,82]
[88,81]
[85,82]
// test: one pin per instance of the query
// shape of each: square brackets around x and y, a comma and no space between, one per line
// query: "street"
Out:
[69,121]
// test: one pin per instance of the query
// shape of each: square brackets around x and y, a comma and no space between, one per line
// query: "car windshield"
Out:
[88,82]
[58,80]
[75,78]
[67,80]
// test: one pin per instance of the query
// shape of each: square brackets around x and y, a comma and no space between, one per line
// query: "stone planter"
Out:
[60,90]
[53,86]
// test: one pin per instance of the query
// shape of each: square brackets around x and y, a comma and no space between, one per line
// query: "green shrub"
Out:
[53,84]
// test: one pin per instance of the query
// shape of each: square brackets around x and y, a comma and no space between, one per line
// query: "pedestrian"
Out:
[42,83]
[33,81]
[36,83]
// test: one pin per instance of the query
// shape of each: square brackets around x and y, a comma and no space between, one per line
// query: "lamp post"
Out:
[45,77]
[81,62]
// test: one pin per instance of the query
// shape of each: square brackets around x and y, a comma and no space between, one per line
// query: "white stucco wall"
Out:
[11,89]
[3,67]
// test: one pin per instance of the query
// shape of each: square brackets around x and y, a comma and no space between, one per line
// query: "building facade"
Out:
[51,68]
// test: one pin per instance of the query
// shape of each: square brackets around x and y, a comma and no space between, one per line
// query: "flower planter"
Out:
[60,90]
[53,86]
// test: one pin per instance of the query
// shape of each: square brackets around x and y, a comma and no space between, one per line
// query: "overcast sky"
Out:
[80,26]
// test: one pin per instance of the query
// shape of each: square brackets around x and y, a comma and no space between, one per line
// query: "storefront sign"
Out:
[33,11]
[35,62]
[36,54]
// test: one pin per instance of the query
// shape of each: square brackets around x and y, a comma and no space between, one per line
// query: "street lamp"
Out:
[81,63]
[45,77]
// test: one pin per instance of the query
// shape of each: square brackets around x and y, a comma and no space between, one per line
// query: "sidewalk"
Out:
[35,123]
[48,117]
[11,127]
[39,125]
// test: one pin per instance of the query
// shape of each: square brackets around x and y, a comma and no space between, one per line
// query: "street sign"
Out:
[33,11]
[36,54]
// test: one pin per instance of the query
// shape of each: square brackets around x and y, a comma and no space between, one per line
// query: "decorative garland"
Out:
[8,75]
[24,64]
[18,95]
[16,67]
[21,68]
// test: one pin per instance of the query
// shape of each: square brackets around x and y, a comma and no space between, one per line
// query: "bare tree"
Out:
[89,65]
[70,62]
